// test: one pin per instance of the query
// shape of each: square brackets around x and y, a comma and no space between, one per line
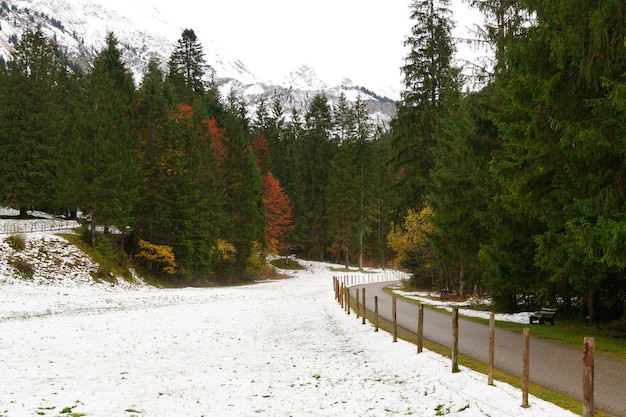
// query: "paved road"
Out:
[553,366]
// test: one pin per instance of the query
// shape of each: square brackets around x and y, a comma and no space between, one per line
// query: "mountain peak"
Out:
[304,78]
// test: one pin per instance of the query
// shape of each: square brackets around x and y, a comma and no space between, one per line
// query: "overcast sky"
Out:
[358,39]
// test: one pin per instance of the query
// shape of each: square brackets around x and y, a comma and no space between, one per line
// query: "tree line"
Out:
[512,188]
[182,179]
[516,187]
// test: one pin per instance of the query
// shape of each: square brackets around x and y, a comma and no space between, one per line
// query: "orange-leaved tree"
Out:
[278,214]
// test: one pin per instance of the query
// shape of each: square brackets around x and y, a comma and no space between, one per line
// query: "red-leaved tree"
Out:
[278,212]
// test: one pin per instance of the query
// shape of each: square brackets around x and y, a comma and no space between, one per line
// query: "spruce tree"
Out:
[428,72]
[187,66]
[313,155]
[32,119]
[110,175]
[562,161]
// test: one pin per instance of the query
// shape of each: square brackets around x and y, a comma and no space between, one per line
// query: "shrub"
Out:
[157,256]
[17,242]
[25,269]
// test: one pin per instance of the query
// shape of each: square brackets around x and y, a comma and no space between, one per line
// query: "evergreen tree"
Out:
[244,189]
[32,119]
[187,66]
[314,153]
[110,176]
[342,203]
[563,157]
[153,126]
[428,72]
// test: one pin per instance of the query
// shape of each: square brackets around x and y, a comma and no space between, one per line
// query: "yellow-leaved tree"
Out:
[410,242]
[157,257]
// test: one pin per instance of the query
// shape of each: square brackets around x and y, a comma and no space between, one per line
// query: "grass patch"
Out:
[610,340]
[287,263]
[562,401]
[24,268]
[346,270]
[16,242]
[112,262]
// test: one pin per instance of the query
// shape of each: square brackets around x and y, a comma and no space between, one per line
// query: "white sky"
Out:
[358,39]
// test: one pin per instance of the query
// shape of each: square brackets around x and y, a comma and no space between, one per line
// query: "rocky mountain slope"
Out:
[80,28]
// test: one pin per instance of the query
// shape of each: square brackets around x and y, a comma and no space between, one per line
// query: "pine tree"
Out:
[32,119]
[187,66]
[110,176]
[313,155]
[428,72]
[562,161]
[244,190]
[153,126]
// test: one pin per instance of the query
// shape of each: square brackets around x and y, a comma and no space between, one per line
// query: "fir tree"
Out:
[110,176]
[428,72]
[187,66]
[32,119]
[314,152]
[562,161]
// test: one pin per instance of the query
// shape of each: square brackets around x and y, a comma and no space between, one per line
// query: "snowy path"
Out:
[282,348]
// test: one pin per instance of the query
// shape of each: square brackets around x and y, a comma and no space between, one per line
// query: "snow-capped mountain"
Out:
[80,28]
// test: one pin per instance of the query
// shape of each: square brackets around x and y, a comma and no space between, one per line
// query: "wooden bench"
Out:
[543,315]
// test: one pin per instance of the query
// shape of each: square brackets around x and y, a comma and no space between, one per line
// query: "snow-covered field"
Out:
[282,348]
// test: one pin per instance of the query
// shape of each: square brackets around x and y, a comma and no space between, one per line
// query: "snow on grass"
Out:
[280,348]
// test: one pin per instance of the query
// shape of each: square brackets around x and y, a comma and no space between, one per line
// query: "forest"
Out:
[504,177]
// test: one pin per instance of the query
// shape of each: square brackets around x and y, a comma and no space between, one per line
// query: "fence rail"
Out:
[31,226]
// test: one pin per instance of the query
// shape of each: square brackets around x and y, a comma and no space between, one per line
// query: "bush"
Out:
[25,269]
[17,242]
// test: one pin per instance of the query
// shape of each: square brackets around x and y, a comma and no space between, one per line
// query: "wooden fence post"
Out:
[420,327]
[348,300]
[588,376]
[395,321]
[455,340]
[363,302]
[526,375]
[376,313]
[492,342]
[358,310]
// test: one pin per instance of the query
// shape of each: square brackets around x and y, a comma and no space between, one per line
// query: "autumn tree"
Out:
[278,215]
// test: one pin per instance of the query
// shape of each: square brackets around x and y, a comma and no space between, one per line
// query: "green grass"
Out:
[562,401]
[287,263]
[609,341]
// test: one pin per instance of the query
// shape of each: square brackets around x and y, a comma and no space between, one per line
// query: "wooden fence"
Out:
[342,295]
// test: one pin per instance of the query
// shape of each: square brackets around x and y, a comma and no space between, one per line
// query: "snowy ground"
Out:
[282,348]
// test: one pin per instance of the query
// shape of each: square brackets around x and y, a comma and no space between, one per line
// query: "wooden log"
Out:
[363,304]
[376,313]
[492,342]
[588,376]
[395,319]
[420,327]
[455,340]
[526,372]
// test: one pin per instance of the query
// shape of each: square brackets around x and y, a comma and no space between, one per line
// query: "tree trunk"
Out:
[461,276]
[591,305]
[93,229]
[23,212]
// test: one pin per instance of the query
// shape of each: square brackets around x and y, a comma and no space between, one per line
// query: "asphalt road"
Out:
[552,365]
